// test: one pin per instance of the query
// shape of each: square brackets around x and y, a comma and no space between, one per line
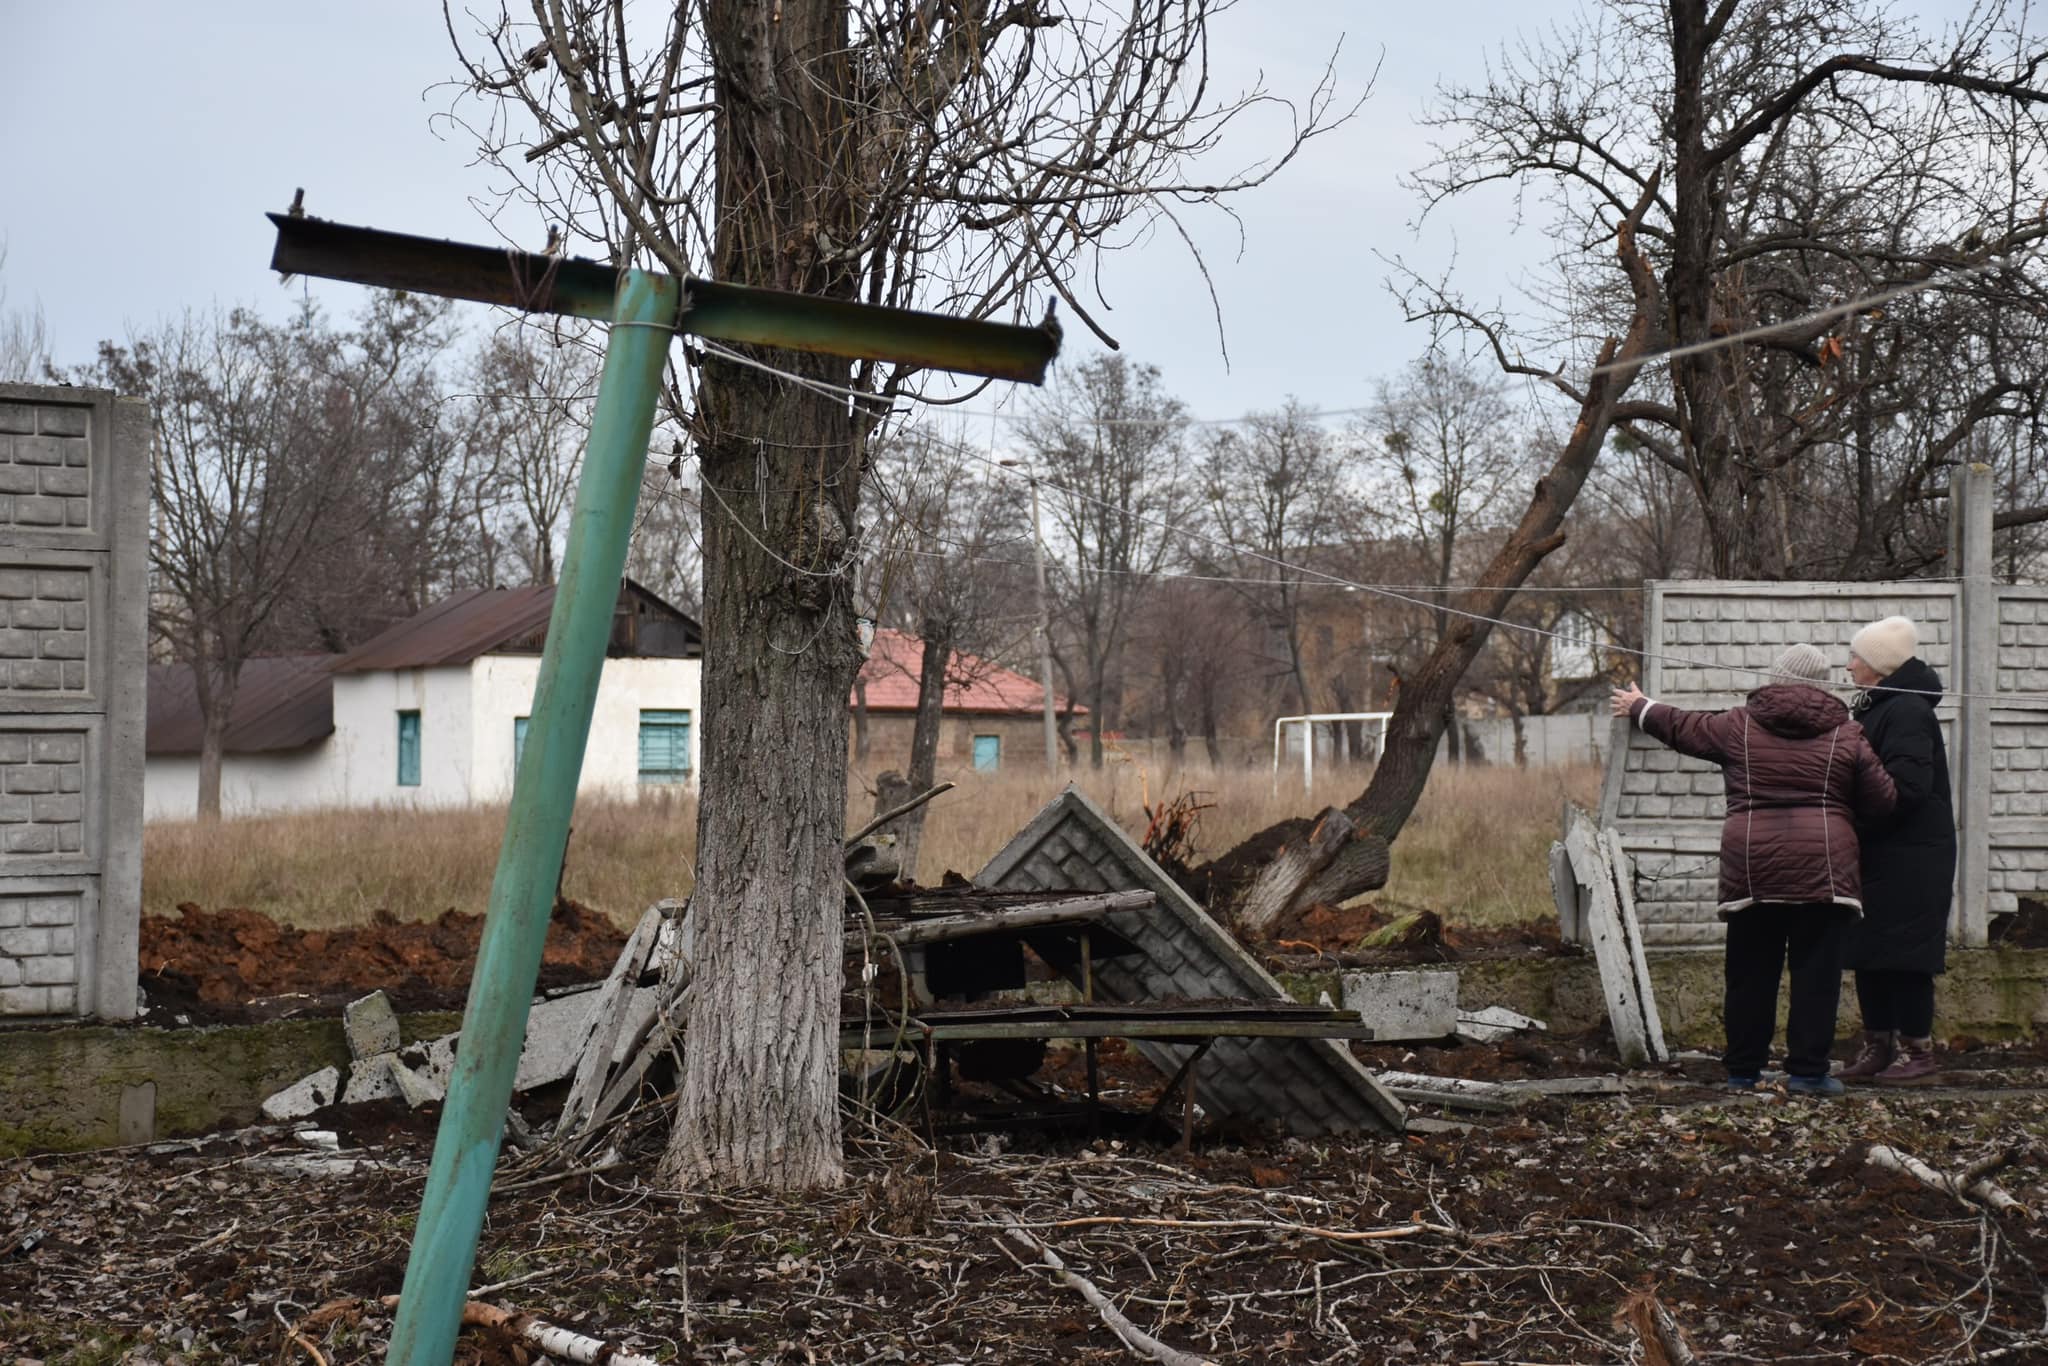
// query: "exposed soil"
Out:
[234,966]
[1329,936]
[1756,1222]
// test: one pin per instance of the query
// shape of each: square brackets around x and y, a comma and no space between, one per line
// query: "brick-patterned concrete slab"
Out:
[74,502]
[1314,1086]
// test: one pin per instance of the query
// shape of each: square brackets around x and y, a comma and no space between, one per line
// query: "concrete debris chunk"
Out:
[1418,1004]
[370,1025]
[1495,1023]
[305,1096]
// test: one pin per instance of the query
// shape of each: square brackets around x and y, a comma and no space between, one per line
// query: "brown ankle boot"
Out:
[1880,1048]
[1916,1064]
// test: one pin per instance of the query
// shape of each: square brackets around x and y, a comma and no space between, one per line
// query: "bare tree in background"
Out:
[1817,153]
[533,395]
[261,435]
[1439,452]
[960,573]
[969,157]
[1278,491]
[1110,445]
[24,337]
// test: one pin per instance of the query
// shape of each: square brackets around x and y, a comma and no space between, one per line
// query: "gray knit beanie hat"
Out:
[1800,663]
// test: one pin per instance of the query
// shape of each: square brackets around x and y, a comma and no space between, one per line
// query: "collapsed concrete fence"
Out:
[1710,641]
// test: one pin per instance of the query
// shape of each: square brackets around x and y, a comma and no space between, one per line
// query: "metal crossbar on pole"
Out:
[1308,739]
[645,311]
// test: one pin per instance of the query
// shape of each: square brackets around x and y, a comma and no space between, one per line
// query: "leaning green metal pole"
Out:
[536,830]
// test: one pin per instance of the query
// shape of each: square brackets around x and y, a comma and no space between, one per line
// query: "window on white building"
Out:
[408,749]
[664,747]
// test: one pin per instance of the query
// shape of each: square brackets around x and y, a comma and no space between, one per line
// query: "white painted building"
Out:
[433,713]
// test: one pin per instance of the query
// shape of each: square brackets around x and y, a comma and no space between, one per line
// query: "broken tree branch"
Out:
[1972,1186]
[555,1342]
[878,822]
[1132,1336]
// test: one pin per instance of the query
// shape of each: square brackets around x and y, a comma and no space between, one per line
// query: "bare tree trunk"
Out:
[925,734]
[759,1093]
[861,740]
[212,744]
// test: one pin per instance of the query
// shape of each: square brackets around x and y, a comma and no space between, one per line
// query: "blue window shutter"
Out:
[988,753]
[664,747]
[408,749]
[518,740]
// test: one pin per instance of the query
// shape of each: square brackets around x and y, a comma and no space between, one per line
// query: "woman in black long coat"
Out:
[1909,858]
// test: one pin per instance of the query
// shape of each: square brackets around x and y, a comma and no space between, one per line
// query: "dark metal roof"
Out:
[481,621]
[283,702]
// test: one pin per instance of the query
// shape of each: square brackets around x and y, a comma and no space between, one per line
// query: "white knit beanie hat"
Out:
[1800,663]
[1886,645]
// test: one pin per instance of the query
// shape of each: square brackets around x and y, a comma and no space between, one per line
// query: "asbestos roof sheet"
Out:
[973,684]
[282,702]
[1313,1086]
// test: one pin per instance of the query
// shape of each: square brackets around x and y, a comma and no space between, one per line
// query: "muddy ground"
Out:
[234,966]
[1754,1220]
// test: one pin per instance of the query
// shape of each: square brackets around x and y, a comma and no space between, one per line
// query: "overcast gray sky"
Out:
[145,141]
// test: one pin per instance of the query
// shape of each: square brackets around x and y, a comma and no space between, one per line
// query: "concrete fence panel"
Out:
[74,506]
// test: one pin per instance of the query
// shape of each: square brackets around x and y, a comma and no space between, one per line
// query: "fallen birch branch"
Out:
[1972,1186]
[555,1342]
[1132,1336]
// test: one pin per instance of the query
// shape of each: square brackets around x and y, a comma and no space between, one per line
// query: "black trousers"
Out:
[1762,940]
[1896,998]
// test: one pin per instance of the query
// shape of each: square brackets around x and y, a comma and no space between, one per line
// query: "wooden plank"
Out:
[1610,949]
[1621,870]
[608,1019]
[1136,1029]
[1034,915]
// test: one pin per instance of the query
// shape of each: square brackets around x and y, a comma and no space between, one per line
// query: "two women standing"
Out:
[1838,849]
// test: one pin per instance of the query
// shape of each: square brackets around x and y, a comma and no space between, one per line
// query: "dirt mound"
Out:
[212,965]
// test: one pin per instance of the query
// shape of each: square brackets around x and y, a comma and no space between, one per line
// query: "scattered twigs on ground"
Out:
[1972,1186]
[556,1342]
[1132,1336]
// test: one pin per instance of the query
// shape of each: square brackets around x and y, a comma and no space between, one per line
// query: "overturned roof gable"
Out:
[482,621]
[1314,1086]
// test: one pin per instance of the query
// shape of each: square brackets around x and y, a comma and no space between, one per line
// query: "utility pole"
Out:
[644,310]
[1052,744]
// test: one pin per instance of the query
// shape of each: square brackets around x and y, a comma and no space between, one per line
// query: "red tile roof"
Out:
[973,684]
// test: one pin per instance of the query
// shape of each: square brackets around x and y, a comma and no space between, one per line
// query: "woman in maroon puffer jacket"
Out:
[1798,775]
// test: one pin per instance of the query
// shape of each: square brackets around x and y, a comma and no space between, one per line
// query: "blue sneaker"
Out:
[1814,1086]
[1737,1082]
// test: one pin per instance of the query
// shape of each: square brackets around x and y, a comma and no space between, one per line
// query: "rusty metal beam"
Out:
[737,314]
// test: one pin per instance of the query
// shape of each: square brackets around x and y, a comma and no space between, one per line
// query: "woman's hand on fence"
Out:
[1625,698]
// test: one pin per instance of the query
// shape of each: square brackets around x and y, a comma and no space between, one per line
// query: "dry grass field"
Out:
[1474,851]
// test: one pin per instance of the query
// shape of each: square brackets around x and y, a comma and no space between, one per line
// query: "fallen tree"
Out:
[1342,853]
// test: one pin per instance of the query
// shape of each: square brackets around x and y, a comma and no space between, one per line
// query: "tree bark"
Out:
[759,1092]
[1273,892]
